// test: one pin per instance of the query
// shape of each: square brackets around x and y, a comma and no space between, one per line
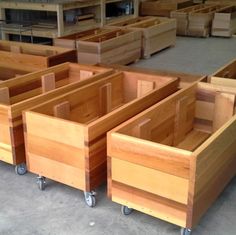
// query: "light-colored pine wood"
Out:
[48,82]
[144,87]
[4,96]
[62,110]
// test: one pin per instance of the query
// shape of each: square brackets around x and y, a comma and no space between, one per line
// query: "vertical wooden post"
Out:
[60,20]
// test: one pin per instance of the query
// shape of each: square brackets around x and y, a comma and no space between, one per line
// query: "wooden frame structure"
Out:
[119,46]
[8,71]
[19,94]
[78,122]
[157,33]
[181,153]
[36,56]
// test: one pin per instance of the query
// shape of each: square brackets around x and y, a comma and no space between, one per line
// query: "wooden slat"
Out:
[85,74]
[149,203]
[62,110]
[144,87]
[105,99]
[4,95]
[224,109]
[48,82]
[153,181]
[143,130]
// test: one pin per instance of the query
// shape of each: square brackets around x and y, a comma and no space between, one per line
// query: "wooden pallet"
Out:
[181,153]
[27,91]
[224,22]
[119,46]
[37,56]
[158,33]
[8,71]
[162,7]
[77,137]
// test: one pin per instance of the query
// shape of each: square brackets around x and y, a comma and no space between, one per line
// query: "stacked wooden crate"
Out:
[157,32]
[196,20]
[162,7]
[200,21]
[181,17]
[35,56]
[224,22]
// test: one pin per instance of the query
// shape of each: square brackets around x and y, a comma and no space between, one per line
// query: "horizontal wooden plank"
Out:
[149,203]
[150,180]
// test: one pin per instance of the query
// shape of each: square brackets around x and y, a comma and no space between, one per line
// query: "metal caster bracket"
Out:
[90,198]
[20,169]
[125,210]
[41,181]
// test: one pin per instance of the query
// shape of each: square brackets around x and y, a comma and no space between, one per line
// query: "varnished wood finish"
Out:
[94,110]
[179,165]
[34,56]
[21,93]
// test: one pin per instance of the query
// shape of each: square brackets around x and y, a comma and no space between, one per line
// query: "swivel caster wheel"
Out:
[41,182]
[185,231]
[125,210]
[90,198]
[21,169]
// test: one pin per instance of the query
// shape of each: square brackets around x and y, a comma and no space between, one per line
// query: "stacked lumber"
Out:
[27,91]
[35,56]
[181,17]
[118,46]
[158,33]
[74,150]
[174,159]
[162,7]
[200,21]
[224,22]
[196,20]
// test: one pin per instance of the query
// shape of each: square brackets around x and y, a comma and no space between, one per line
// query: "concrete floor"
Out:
[60,210]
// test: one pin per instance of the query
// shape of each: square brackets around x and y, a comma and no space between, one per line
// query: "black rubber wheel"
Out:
[41,183]
[21,169]
[185,231]
[126,210]
[90,199]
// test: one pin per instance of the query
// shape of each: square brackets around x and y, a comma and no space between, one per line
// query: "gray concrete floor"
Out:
[60,210]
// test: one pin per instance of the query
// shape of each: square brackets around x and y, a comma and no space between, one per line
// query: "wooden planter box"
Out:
[121,46]
[70,40]
[163,7]
[78,122]
[174,159]
[37,56]
[225,76]
[157,33]
[224,22]
[27,91]
[8,71]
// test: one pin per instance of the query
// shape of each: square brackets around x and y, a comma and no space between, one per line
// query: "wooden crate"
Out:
[8,71]
[200,21]
[70,40]
[27,91]
[158,33]
[121,46]
[224,22]
[185,79]
[78,122]
[181,17]
[162,7]
[174,159]
[37,56]
[225,76]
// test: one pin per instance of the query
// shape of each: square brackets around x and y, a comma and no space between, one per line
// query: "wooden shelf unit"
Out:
[59,7]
